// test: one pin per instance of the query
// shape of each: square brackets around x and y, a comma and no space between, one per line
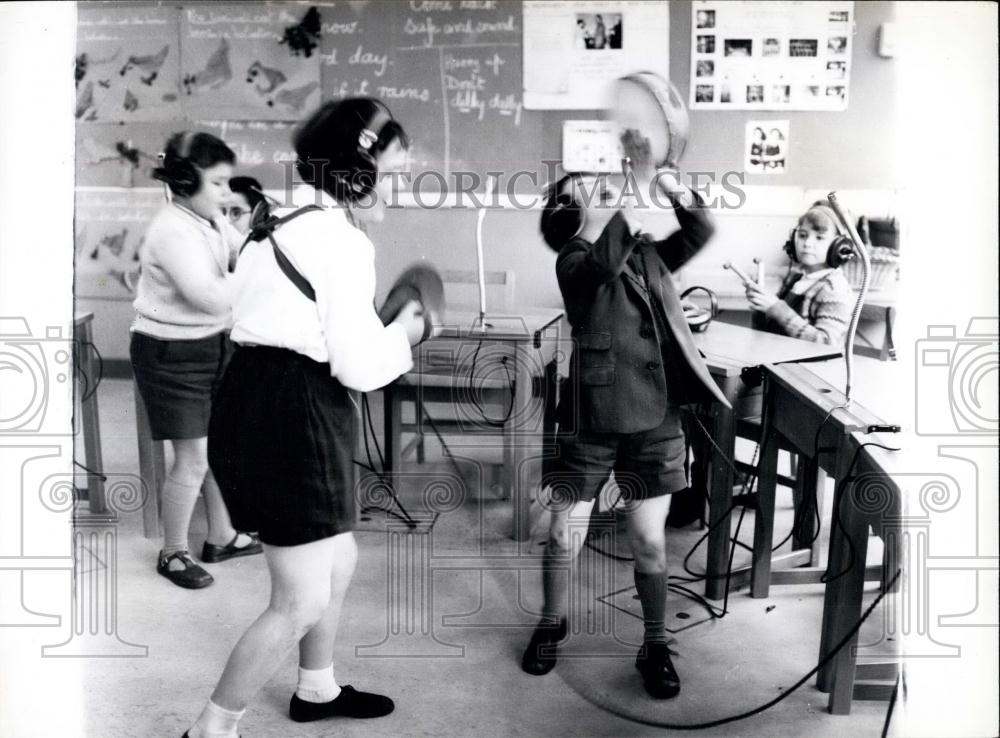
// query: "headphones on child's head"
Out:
[364,171]
[562,216]
[841,248]
[176,169]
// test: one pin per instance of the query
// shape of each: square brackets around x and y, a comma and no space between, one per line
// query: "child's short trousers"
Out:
[646,465]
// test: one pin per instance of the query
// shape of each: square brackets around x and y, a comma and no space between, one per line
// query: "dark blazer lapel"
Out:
[635,281]
[664,285]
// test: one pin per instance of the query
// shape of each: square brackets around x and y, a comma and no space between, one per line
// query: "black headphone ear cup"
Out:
[185,177]
[840,252]
[561,222]
[789,247]
[363,176]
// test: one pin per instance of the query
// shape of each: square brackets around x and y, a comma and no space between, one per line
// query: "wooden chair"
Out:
[436,379]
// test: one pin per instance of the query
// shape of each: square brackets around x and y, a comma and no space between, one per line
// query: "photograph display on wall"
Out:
[573,51]
[771,56]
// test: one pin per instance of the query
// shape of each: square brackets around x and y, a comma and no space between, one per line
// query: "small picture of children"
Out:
[705,19]
[705,44]
[837,44]
[738,47]
[598,31]
[766,146]
[705,68]
[836,69]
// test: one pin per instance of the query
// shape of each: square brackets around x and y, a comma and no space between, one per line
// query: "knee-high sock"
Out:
[555,584]
[178,504]
[652,589]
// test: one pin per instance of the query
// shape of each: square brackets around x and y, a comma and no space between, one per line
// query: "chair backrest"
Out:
[461,287]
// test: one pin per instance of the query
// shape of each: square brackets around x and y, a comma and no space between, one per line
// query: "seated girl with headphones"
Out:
[282,433]
[815,300]
[179,345]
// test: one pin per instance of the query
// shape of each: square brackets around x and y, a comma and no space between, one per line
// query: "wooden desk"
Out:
[527,345]
[878,505]
[88,377]
[802,407]
[729,349]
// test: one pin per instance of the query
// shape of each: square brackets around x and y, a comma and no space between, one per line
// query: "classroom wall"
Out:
[851,151]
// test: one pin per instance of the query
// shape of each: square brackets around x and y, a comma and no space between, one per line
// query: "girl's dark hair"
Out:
[183,153]
[250,188]
[335,152]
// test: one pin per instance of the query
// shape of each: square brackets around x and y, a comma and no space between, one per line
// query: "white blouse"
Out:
[341,327]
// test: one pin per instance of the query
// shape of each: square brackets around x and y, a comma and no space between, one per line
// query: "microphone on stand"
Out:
[866,267]
[481,270]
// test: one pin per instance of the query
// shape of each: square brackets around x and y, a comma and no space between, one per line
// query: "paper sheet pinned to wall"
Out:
[127,65]
[574,50]
[250,62]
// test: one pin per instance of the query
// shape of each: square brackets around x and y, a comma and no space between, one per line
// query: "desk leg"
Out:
[524,436]
[723,430]
[91,423]
[848,610]
[843,595]
[888,347]
[763,523]
[392,440]
[152,468]
[808,491]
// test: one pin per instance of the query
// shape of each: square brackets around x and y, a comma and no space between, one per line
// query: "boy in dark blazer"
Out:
[635,364]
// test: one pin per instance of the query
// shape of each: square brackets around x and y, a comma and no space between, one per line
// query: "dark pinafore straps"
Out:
[267,229]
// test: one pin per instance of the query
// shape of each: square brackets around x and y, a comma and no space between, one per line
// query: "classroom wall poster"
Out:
[771,56]
[250,62]
[766,148]
[109,228]
[127,64]
[574,50]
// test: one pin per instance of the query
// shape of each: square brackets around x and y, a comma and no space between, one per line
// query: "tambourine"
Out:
[698,318]
[420,282]
[649,104]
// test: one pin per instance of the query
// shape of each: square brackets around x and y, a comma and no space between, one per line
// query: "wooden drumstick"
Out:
[738,272]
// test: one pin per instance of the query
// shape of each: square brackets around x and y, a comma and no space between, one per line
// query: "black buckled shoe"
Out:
[349,703]
[212,554]
[191,576]
[540,655]
[659,676]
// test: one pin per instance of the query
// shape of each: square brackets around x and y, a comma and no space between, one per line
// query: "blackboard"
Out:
[450,70]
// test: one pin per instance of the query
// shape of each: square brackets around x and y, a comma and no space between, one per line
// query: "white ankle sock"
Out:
[216,722]
[317,685]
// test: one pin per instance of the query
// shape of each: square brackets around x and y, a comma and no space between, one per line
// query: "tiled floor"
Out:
[437,619]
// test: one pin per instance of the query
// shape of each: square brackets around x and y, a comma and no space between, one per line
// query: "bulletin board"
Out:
[771,55]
